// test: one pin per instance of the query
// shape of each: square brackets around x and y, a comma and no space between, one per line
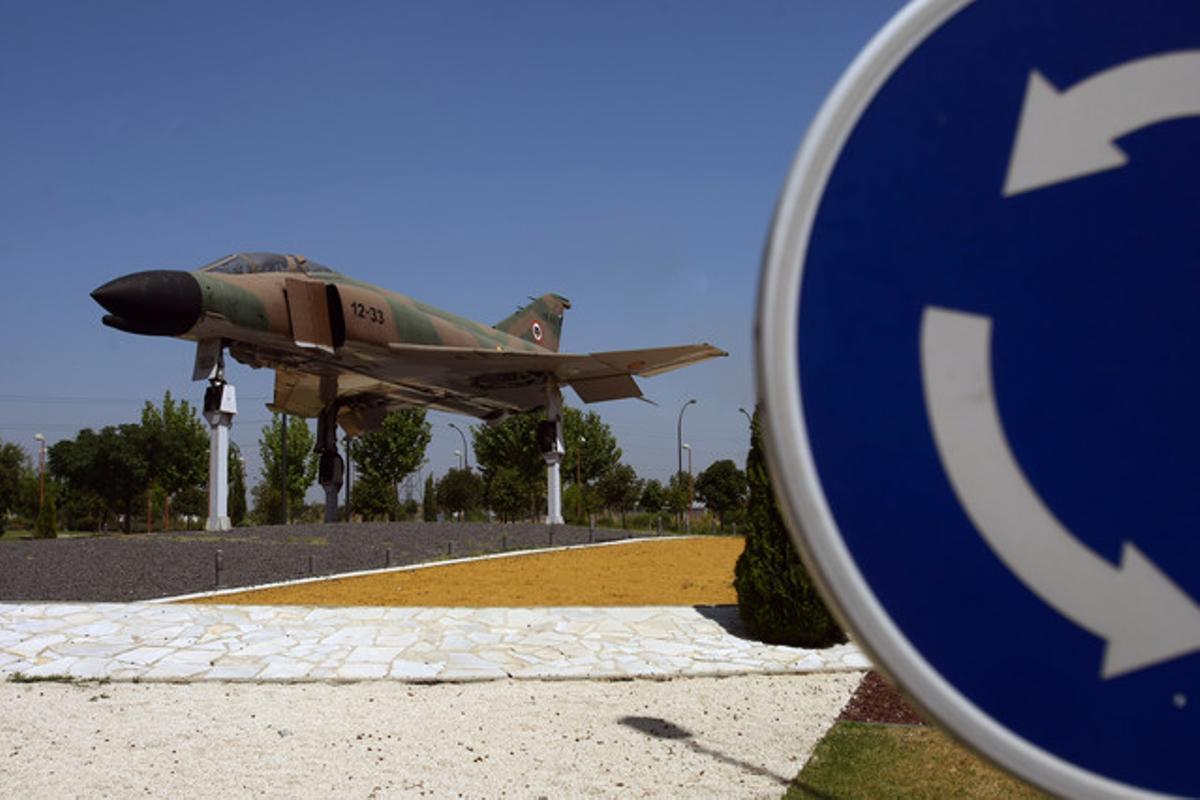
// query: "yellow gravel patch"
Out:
[676,572]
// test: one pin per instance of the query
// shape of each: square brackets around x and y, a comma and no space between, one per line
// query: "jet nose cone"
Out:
[156,303]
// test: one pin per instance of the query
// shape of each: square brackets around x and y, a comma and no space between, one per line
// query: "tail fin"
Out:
[539,322]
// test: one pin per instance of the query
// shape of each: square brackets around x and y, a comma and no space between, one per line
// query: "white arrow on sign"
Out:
[1141,613]
[1067,135]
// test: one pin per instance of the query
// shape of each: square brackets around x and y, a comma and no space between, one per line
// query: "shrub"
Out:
[776,597]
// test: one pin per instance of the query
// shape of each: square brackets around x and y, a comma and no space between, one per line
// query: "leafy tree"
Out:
[507,493]
[14,465]
[375,498]
[174,447]
[590,441]
[107,470]
[776,597]
[301,472]
[191,501]
[512,444]
[620,489]
[676,496]
[237,486]
[653,498]
[429,501]
[390,453]
[722,487]
[460,491]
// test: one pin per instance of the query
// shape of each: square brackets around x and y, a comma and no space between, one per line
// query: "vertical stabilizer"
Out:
[539,322]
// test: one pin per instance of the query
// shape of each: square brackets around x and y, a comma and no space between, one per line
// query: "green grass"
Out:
[16,534]
[911,761]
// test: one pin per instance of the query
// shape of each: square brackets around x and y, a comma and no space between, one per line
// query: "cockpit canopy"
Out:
[255,263]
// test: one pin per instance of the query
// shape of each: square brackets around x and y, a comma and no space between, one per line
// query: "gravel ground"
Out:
[120,568]
[700,737]
[876,701]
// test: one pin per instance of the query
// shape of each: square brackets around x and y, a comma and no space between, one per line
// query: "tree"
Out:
[107,470]
[653,498]
[174,447]
[619,489]
[460,491]
[776,597]
[676,496]
[429,501]
[722,487]
[512,444]
[507,494]
[387,455]
[237,486]
[374,498]
[590,441]
[301,472]
[14,465]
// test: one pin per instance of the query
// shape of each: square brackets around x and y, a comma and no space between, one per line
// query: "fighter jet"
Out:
[347,352]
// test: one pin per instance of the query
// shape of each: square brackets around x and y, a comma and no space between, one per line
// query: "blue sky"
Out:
[625,155]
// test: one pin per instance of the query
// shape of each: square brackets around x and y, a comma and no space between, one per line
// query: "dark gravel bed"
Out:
[876,701]
[144,566]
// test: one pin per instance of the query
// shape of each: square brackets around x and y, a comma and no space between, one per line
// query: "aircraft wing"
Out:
[483,383]
[595,377]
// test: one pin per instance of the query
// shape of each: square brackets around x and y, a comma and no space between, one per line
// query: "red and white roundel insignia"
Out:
[537,331]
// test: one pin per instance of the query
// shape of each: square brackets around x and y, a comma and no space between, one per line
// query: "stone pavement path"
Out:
[186,643]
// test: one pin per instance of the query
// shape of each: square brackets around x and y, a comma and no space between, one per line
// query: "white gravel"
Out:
[742,736]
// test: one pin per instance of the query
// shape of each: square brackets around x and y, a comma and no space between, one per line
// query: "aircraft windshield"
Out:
[255,263]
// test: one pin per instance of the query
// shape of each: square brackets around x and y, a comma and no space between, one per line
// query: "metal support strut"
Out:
[220,407]
[550,442]
[331,468]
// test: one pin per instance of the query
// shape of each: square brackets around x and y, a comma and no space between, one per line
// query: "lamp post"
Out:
[691,488]
[349,463]
[578,485]
[41,471]
[458,457]
[749,419]
[679,435]
[466,453]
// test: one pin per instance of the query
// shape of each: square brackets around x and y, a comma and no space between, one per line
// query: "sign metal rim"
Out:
[798,487]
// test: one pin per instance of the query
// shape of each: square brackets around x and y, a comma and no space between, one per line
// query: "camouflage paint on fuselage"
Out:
[338,342]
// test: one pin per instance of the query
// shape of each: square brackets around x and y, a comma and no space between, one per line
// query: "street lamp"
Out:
[679,435]
[749,419]
[41,470]
[349,465]
[466,456]
[578,485]
[688,447]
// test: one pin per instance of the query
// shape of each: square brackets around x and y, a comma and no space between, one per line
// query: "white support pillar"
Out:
[554,456]
[220,406]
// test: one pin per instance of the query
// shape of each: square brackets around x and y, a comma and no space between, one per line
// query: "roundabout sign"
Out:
[979,355]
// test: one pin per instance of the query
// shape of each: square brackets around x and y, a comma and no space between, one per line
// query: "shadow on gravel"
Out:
[119,568]
[658,728]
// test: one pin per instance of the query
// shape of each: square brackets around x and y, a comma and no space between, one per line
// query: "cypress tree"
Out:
[776,597]
[429,501]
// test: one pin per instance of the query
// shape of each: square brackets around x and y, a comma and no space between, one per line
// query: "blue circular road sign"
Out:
[979,352]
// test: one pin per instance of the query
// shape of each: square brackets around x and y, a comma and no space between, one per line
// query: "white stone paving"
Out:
[185,643]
